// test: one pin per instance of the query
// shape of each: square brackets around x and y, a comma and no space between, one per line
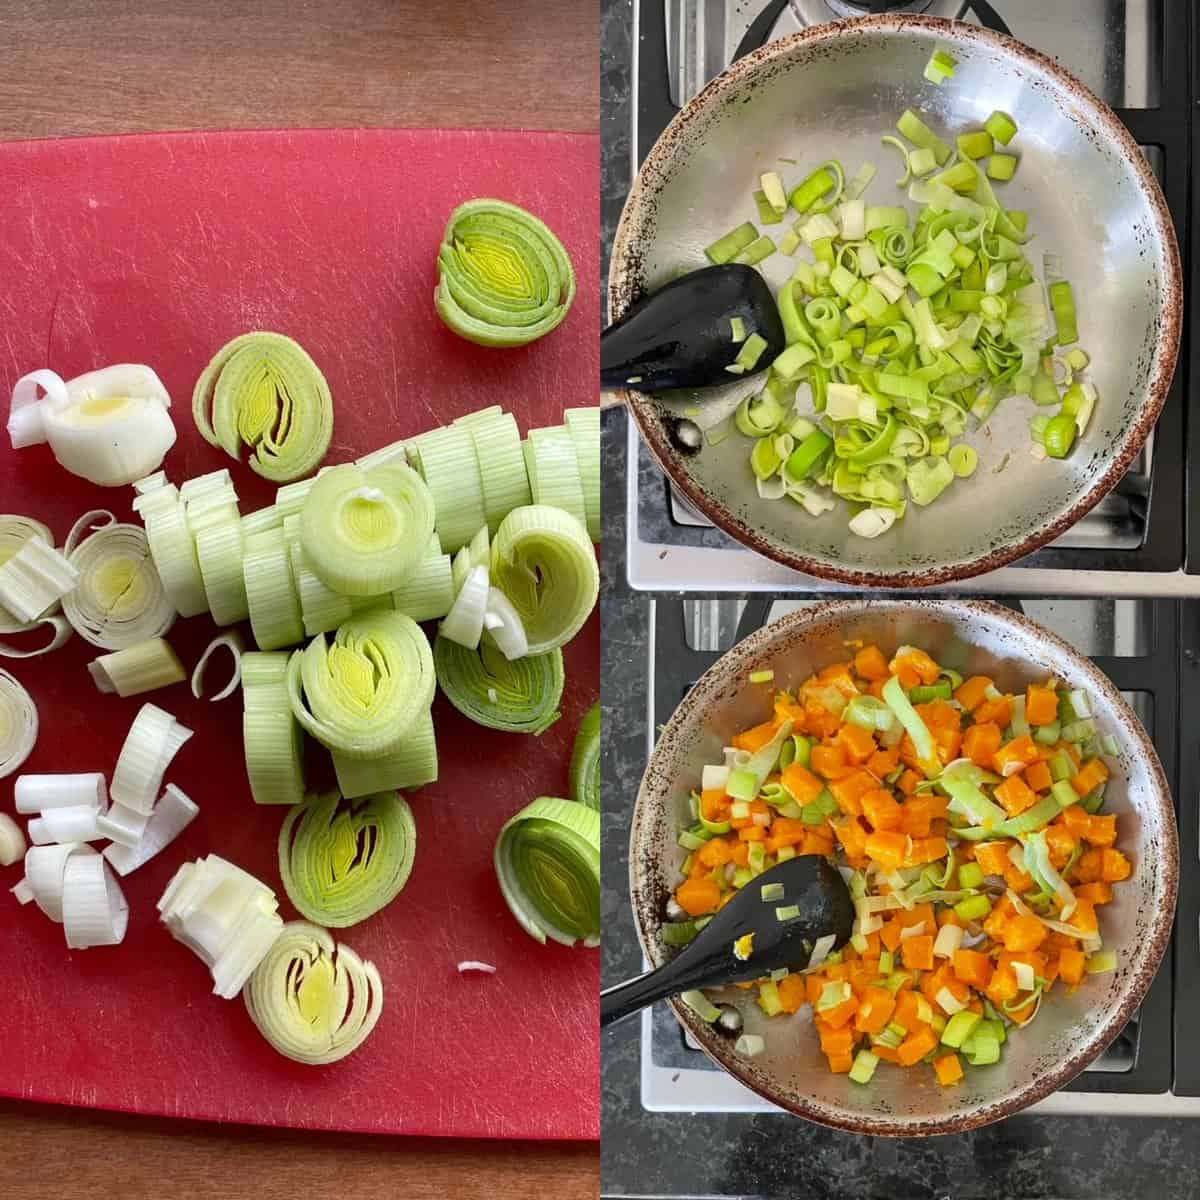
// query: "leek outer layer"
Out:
[547,860]
[263,390]
[504,277]
[341,861]
[522,696]
[313,999]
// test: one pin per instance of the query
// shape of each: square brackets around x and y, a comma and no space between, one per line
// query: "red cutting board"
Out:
[158,249]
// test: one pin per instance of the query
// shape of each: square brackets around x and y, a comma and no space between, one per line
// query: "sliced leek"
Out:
[553,467]
[428,592]
[504,278]
[464,621]
[450,466]
[38,793]
[413,765]
[364,532]
[313,999]
[18,724]
[273,742]
[78,823]
[34,580]
[585,760]
[61,635]
[501,459]
[547,860]
[143,667]
[173,813]
[362,692]
[12,841]
[109,427]
[119,599]
[232,642]
[584,426]
[15,531]
[543,561]
[95,911]
[152,742]
[342,861]
[44,868]
[522,696]
[276,618]
[263,390]
[216,529]
[164,515]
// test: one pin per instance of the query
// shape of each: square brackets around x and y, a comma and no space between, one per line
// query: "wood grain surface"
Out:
[79,67]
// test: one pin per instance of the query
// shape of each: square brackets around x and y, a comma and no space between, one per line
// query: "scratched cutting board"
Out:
[159,249]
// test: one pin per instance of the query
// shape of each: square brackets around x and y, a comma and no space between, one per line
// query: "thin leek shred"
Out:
[342,861]
[314,1000]
[271,596]
[152,742]
[585,760]
[119,599]
[553,467]
[542,560]
[232,642]
[413,765]
[18,724]
[547,860]
[501,458]
[225,915]
[274,745]
[450,466]
[584,426]
[142,667]
[34,580]
[361,693]
[173,813]
[109,427]
[504,278]
[522,696]
[262,390]
[363,532]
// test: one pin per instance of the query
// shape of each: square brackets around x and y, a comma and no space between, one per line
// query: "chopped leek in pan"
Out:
[906,331]
[969,825]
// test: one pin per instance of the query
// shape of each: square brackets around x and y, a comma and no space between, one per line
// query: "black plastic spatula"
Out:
[681,336]
[809,883]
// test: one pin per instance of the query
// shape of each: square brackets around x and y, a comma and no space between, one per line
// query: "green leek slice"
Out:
[341,861]
[504,278]
[547,861]
[263,390]
[314,1000]
[585,760]
[450,465]
[413,765]
[271,597]
[522,696]
[553,466]
[501,459]
[274,745]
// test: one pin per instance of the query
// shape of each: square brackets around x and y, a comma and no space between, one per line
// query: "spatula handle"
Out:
[624,999]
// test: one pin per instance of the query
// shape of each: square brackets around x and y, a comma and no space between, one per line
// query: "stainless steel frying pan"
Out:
[831,92]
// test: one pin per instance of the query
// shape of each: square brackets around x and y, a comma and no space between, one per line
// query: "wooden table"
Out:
[77,67]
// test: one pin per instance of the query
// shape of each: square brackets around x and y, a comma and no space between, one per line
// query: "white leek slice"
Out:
[44,867]
[35,579]
[173,813]
[73,824]
[364,532]
[504,626]
[225,916]
[109,426]
[15,531]
[362,692]
[142,667]
[232,642]
[119,599]
[62,633]
[122,825]
[464,621]
[543,561]
[12,841]
[152,742]
[472,964]
[95,911]
[547,860]
[37,793]
[18,724]
[313,999]
[271,735]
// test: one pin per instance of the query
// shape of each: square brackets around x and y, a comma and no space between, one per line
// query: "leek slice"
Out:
[273,602]
[522,696]
[413,765]
[428,592]
[77,823]
[173,813]
[232,642]
[142,667]
[18,724]
[342,861]
[165,517]
[449,464]
[464,621]
[504,279]
[109,427]
[553,468]
[12,841]
[119,599]
[95,911]
[44,868]
[37,793]
[362,693]
[274,745]
[547,860]
[585,760]
[501,458]
[154,738]
[363,532]
[543,561]
[15,531]
[34,580]
[584,427]
[263,390]
[313,999]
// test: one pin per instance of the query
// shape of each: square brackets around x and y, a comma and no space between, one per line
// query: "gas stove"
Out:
[1142,539]
[1151,650]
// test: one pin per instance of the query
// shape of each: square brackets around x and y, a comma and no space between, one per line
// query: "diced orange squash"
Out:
[1015,755]
[849,790]
[1098,892]
[971,693]
[907,1010]
[1023,933]
[1020,881]
[1002,987]
[829,762]
[841,1064]
[1075,818]
[973,967]
[1089,865]
[916,1046]
[1114,866]
[819,720]
[997,712]
[1101,830]
[741,854]
[915,816]
[787,709]
[887,848]
[1022,1012]
[880,808]
[812,987]
[919,914]
[804,786]
[752,833]
[840,676]
[1061,843]
[874,1010]
[715,804]
[887,1053]
[859,743]
[1072,962]
[889,933]
[1038,777]
[992,857]
[948,1069]
[851,832]
[838,1016]
[1041,705]
[757,736]
[908,782]
[835,1039]
[1015,794]
[814,843]
[787,831]
[1089,777]
[926,850]
[917,952]
[883,762]
[698,897]
[1084,917]
[715,853]
[916,660]
[869,663]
